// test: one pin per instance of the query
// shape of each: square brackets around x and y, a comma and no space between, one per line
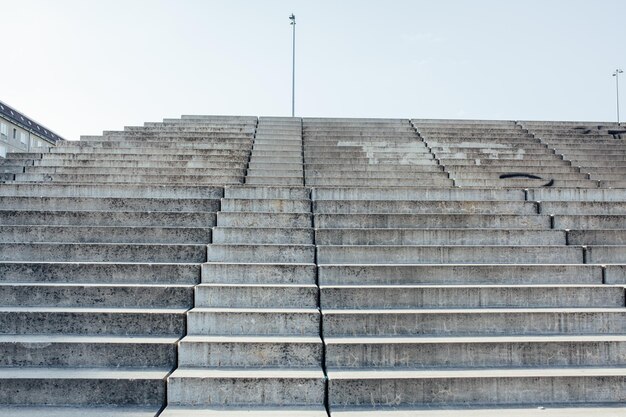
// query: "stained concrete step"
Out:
[273,253]
[399,174]
[597,237]
[98,273]
[473,322]
[433,206]
[441,237]
[493,387]
[246,387]
[258,219]
[136,155]
[583,207]
[250,351]
[321,168]
[578,410]
[109,204]
[418,194]
[266,205]
[475,351]
[596,221]
[524,183]
[605,254]
[439,274]
[121,163]
[92,321]
[405,254]
[76,411]
[106,218]
[107,234]
[274,180]
[97,387]
[257,273]
[469,296]
[256,295]
[260,235]
[573,194]
[86,351]
[95,295]
[165,172]
[111,191]
[253,321]
[430,220]
[513,164]
[368,182]
[560,178]
[133,179]
[267,192]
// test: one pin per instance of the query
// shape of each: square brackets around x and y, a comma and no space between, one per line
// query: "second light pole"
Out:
[292,18]
[616,75]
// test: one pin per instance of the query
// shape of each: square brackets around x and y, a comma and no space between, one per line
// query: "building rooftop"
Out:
[28,123]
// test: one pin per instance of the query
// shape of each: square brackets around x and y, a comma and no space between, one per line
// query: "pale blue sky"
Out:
[83,66]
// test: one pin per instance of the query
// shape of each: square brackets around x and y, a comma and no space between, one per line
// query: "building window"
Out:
[3,152]
[14,133]
[4,130]
[23,138]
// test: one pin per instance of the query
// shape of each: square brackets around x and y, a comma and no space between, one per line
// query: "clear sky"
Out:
[83,66]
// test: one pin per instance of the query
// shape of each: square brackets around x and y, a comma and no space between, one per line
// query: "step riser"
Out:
[411,221]
[297,220]
[260,253]
[103,218]
[256,297]
[252,323]
[285,236]
[245,273]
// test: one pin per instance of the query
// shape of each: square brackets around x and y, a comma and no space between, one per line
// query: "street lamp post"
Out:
[616,75]
[292,18]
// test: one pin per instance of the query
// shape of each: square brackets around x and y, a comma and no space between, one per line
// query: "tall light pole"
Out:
[616,75]
[292,18]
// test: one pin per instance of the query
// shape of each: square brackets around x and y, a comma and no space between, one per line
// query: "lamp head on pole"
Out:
[618,71]
[292,17]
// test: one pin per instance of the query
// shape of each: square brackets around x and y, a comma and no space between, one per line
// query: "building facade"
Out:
[19,133]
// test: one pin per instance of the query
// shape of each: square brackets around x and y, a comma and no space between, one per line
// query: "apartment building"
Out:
[20,133]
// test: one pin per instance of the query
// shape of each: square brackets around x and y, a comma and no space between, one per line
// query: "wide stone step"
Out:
[399,174]
[246,387]
[136,156]
[257,273]
[250,351]
[439,237]
[335,254]
[80,411]
[253,321]
[321,168]
[92,321]
[95,295]
[369,182]
[97,387]
[266,205]
[417,194]
[413,207]
[398,388]
[583,207]
[475,351]
[474,322]
[469,296]
[267,235]
[597,221]
[111,191]
[79,351]
[514,164]
[104,218]
[111,273]
[92,234]
[273,253]
[524,183]
[102,252]
[278,180]
[606,254]
[573,194]
[133,179]
[109,204]
[596,237]
[120,163]
[140,171]
[560,178]
[234,411]
[256,295]
[430,220]
[257,219]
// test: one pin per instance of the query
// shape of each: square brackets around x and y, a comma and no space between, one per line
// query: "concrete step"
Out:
[275,171]
[278,411]
[572,410]
[267,235]
[95,295]
[165,172]
[593,221]
[267,192]
[596,237]
[469,296]
[106,218]
[80,351]
[512,164]
[441,237]
[120,163]
[261,253]
[257,273]
[331,254]
[524,183]
[598,254]
[102,252]
[399,174]
[92,321]
[133,179]
[91,234]
[475,352]
[250,351]
[429,220]
[274,180]
[474,322]
[256,295]
[109,204]
[560,178]
[369,182]
[583,207]
[75,411]
[258,219]
[136,155]
[464,274]
[266,205]
[412,207]
[111,191]
[572,194]
[246,387]
[97,387]
[448,388]
[271,166]
[417,194]
[321,168]
[253,321]
[111,273]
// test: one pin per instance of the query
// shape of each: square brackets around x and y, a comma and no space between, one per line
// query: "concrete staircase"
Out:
[350,267]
